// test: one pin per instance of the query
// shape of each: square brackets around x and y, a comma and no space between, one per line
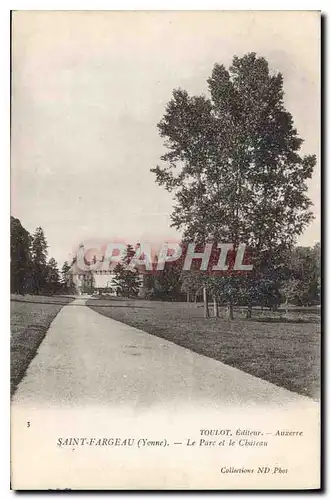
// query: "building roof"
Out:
[75,269]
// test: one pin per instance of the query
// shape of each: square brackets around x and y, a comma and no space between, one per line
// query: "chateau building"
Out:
[97,280]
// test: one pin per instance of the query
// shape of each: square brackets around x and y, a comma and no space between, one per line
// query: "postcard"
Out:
[165,250]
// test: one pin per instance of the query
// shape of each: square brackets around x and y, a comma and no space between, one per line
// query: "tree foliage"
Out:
[53,276]
[126,279]
[234,166]
[20,257]
[30,270]
[302,281]
[233,159]
[39,261]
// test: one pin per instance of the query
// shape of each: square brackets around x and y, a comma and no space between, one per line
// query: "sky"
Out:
[88,89]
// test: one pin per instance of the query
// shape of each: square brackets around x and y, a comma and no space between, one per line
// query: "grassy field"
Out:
[281,348]
[30,318]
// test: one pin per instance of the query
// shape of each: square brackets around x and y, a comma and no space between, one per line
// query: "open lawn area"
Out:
[283,349]
[31,316]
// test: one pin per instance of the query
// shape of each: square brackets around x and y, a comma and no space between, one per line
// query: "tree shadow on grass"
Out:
[43,302]
[284,320]
[117,306]
[301,310]
[64,303]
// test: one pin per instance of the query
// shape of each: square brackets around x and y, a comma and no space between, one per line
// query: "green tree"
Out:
[65,271]
[292,289]
[261,287]
[192,283]
[226,290]
[66,278]
[302,281]
[167,283]
[233,161]
[88,283]
[53,276]
[65,274]
[126,279]
[39,261]
[20,258]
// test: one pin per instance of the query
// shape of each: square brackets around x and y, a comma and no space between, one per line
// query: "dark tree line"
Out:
[30,269]
[294,278]
[290,276]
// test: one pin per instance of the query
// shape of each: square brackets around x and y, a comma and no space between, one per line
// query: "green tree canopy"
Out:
[233,161]
[20,257]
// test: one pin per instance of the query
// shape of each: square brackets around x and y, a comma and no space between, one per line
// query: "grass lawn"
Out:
[284,350]
[31,316]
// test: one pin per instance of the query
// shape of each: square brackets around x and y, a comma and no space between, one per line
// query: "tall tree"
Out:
[39,260]
[20,257]
[66,278]
[301,283]
[167,283]
[233,161]
[53,276]
[126,279]
[65,272]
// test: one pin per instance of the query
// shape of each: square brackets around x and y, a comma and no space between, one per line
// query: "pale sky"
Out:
[88,89]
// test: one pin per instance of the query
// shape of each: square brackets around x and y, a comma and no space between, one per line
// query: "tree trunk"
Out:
[196,298]
[249,311]
[205,302]
[187,296]
[286,305]
[230,311]
[216,311]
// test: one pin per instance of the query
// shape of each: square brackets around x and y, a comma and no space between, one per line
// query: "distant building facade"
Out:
[101,281]
[80,281]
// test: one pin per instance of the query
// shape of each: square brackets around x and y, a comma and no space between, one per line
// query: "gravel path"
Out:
[88,359]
